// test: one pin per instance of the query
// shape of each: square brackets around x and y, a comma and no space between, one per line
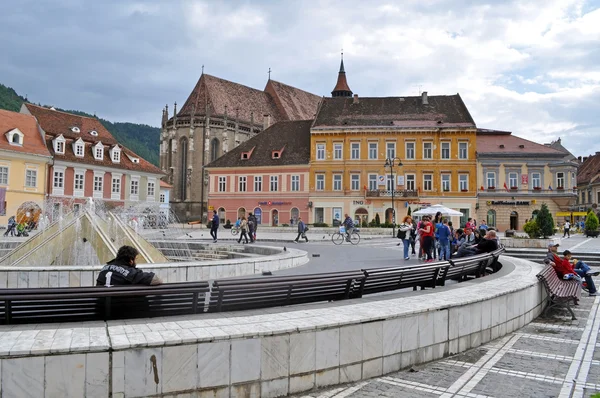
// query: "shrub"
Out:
[228,222]
[545,222]
[320,224]
[386,225]
[372,223]
[364,224]
[285,225]
[409,211]
[591,222]
[532,229]
[377,220]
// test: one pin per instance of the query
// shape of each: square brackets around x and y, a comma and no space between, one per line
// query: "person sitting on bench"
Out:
[122,271]
[577,270]
[487,245]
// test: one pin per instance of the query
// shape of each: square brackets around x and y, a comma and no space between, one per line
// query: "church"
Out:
[217,116]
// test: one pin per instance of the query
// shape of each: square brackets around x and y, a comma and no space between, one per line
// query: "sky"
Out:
[530,67]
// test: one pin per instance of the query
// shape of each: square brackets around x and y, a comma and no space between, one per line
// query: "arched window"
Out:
[16,139]
[294,214]
[183,146]
[491,218]
[214,149]
[169,154]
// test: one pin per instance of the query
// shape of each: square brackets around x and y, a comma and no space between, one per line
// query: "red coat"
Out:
[563,267]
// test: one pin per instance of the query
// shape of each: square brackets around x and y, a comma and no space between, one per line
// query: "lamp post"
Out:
[389,162]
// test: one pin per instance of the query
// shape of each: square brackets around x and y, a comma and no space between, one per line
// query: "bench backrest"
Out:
[557,287]
[385,279]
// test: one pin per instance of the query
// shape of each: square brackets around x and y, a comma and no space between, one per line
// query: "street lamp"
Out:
[389,162]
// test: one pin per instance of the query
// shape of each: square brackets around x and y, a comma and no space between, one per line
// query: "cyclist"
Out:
[349,225]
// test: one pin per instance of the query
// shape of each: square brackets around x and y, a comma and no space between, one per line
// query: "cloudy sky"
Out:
[531,67]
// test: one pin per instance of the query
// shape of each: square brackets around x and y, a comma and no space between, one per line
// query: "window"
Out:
[78,182]
[446,182]
[162,198]
[135,187]
[355,150]
[463,150]
[389,182]
[3,175]
[463,182]
[98,184]
[427,150]
[242,184]
[274,183]
[513,180]
[355,182]
[427,182]
[257,183]
[491,180]
[295,183]
[116,156]
[59,179]
[320,182]
[151,190]
[337,182]
[99,153]
[560,180]
[410,150]
[222,184]
[31,178]
[79,150]
[491,218]
[320,151]
[410,182]
[445,150]
[116,185]
[536,180]
[337,151]
[373,150]
[390,150]
[372,182]
[60,147]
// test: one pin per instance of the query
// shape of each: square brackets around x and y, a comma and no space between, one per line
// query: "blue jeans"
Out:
[582,268]
[444,250]
[406,244]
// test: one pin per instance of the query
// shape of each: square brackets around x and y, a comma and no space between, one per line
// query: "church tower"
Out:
[341,88]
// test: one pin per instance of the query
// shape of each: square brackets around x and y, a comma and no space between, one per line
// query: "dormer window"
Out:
[78,148]
[246,155]
[277,153]
[94,133]
[99,151]
[59,145]
[115,154]
[15,137]
[133,159]
[75,129]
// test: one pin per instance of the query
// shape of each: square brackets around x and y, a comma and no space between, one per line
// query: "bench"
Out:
[38,305]
[251,293]
[495,265]
[393,278]
[560,292]
[463,267]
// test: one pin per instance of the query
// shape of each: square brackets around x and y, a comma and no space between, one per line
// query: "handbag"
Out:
[305,229]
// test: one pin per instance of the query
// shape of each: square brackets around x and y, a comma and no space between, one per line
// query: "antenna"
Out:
[419,87]
[269,73]
[202,68]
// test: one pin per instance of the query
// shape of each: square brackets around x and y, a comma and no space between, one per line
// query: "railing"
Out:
[398,193]
[535,191]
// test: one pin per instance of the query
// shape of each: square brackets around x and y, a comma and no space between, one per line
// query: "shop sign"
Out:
[509,202]
[358,202]
[271,203]
[381,180]
[400,180]
[211,207]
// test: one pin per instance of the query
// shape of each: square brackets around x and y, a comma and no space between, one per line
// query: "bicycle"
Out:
[235,230]
[339,237]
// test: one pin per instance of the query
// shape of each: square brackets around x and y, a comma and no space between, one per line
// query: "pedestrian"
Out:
[567,229]
[444,236]
[404,230]
[252,227]
[243,230]
[214,226]
[12,223]
[301,230]
[122,271]
[413,238]
[427,233]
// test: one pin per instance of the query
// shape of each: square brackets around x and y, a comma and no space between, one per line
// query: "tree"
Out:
[409,211]
[377,220]
[591,221]
[545,222]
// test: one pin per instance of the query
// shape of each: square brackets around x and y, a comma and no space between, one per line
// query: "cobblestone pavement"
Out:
[550,357]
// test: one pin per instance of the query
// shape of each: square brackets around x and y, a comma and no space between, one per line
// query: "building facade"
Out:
[266,175]
[88,162]
[588,182]
[218,116]
[24,161]
[516,176]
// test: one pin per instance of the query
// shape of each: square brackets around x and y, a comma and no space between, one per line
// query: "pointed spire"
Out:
[175,115]
[341,88]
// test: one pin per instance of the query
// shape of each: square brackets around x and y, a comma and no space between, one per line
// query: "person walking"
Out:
[214,226]
[252,226]
[567,229]
[413,237]
[301,230]
[12,223]
[444,235]
[404,230]
[243,230]
[427,233]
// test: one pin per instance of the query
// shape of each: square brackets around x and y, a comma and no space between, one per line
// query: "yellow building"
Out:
[24,160]
[433,137]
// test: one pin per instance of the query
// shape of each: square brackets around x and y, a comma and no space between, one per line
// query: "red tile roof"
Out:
[55,123]
[506,143]
[293,103]
[589,171]
[165,185]
[33,140]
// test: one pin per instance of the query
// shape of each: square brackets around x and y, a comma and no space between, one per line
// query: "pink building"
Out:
[266,175]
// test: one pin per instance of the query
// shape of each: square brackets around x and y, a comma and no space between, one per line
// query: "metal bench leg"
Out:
[571,311]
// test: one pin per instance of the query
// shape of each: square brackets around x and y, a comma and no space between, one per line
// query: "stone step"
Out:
[536,255]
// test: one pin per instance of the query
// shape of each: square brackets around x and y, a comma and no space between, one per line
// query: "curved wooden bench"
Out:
[560,292]
[393,278]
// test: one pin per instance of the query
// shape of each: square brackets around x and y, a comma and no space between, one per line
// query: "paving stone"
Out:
[379,389]
[435,374]
[545,346]
[532,364]
[497,385]
[470,356]
[551,332]
[594,374]
[597,354]
[587,392]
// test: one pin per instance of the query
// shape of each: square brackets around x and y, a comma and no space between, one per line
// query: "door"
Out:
[275,218]
[514,220]
[464,217]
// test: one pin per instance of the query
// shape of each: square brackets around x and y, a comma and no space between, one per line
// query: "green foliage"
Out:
[409,211]
[142,139]
[545,222]
[377,220]
[532,229]
[364,224]
[320,224]
[591,221]
[228,222]
[285,225]
[386,224]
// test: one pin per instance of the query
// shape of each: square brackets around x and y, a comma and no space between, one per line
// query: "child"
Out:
[579,269]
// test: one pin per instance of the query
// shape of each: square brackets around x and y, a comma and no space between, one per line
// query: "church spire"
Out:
[341,88]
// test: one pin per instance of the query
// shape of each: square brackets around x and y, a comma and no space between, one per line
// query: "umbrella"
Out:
[446,211]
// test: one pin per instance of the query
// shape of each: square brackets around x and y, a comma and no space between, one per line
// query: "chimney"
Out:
[266,121]
[424,98]
[355,100]
[584,158]
[579,158]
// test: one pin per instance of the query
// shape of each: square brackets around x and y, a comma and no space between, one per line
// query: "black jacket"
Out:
[123,274]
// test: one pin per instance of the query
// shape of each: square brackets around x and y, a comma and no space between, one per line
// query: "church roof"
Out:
[441,111]
[342,84]
[280,101]
[291,138]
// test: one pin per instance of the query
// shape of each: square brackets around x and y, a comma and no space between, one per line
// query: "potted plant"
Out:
[491,188]
[537,188]
[560,188]
[227,224]
[464,190]
[514,188]
[591,225]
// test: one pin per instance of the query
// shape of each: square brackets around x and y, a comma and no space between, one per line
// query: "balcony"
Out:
[399,193]
[534,191]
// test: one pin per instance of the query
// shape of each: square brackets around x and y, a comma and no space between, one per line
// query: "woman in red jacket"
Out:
[427,233]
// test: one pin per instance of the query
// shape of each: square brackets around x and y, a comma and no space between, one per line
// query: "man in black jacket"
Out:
[122,271]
